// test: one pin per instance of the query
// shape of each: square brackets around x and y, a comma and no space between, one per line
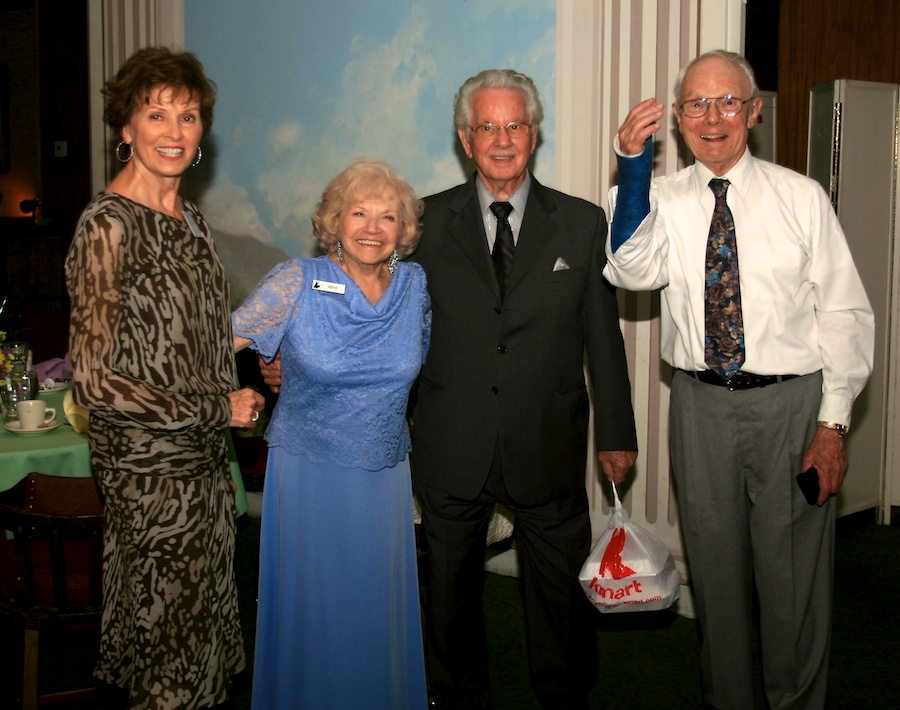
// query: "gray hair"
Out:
[497,79]
[732,57]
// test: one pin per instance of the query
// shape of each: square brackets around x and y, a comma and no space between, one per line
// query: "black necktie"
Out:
[724,345]
[504,248]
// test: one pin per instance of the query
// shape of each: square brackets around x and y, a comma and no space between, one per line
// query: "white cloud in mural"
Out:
[392,101]
[231,206]
[374,112]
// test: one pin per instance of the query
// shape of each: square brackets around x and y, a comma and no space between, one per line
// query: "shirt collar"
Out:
[518,199]
[738,177]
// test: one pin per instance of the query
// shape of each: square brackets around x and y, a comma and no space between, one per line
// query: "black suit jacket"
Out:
[516,370]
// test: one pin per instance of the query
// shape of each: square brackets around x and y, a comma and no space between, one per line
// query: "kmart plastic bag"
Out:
[629,569]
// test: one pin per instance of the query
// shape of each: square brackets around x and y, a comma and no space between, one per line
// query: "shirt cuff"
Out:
[835,408]
[617,148]
[215,411]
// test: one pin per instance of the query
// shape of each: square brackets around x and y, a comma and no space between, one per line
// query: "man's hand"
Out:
[616,464]
[271,372]
[642,121]
[828,455]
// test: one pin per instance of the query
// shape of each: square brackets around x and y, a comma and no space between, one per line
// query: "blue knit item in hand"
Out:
[633,200]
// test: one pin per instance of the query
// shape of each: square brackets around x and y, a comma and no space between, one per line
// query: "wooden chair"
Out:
[51,543]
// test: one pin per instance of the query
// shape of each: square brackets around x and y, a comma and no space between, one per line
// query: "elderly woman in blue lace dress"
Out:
[338,623]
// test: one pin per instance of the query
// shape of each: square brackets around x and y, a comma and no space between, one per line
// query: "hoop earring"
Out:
[392,262]
[339,250]
[130,152]
[198,158]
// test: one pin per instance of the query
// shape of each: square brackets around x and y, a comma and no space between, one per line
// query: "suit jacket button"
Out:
[494,390]
[501,348]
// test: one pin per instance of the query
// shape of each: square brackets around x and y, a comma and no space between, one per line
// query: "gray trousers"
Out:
[745,521]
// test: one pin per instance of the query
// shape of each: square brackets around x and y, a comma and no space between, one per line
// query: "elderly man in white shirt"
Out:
[765,381]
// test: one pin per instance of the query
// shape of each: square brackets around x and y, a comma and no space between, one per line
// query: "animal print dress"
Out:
[153,360]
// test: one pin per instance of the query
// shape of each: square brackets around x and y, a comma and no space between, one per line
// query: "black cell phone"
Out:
[808,481]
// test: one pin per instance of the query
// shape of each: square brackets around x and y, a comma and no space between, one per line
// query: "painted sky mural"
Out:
[305,87]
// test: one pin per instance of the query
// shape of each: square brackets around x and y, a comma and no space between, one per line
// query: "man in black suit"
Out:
[502,408]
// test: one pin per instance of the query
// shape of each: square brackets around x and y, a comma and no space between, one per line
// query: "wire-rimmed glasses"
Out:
[488,131]
[725,105]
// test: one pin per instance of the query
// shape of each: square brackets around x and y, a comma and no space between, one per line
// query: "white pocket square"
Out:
[560,264]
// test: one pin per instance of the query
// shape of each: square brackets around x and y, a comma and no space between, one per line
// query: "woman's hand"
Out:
[246,404]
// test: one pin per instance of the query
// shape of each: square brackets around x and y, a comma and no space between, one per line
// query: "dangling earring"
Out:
[198,158]
[130,152]
[339,250]
[392,262]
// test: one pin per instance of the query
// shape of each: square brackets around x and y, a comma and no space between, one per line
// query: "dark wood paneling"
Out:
[64,81]
[761,42]
[32,254]
[37,310]
[823,40]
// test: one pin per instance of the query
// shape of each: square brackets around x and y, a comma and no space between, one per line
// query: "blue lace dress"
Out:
[338,622]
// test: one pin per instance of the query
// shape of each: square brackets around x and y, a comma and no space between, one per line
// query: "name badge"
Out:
[327,286]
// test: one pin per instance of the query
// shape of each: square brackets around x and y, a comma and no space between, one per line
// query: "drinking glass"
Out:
[11,393]
[18,385]
[18,352]
[33,386]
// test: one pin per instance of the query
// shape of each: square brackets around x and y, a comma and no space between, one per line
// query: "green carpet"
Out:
[647,661]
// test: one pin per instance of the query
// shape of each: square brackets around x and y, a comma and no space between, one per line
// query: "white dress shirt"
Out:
[804,306]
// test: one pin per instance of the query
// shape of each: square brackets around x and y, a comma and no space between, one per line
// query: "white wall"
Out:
[611,55]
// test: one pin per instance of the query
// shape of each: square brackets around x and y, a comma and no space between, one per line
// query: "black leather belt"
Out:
[739,380]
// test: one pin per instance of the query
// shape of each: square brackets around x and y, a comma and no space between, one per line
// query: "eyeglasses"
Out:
[725,105]
[488,131]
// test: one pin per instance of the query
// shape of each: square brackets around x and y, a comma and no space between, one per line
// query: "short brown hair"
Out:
[150,70]
[361,179]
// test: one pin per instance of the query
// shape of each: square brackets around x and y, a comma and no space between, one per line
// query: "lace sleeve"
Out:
[265,315]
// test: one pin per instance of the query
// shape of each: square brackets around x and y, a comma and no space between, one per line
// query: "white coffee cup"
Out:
[34,414]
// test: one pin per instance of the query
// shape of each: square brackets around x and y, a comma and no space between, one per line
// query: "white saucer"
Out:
[16,428]
[57,386]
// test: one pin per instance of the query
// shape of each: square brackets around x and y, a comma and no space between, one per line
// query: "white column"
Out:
[611,54]
[116,28]
[722,25]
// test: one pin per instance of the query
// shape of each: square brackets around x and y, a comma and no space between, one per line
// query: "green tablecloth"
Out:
[64,452]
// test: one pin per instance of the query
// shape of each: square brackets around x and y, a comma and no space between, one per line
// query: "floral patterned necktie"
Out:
[504,247]
[724,344]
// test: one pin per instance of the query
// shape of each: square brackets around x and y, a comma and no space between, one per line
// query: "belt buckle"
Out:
[739,381]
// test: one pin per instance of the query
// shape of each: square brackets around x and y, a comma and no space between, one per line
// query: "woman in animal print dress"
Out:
[153,361]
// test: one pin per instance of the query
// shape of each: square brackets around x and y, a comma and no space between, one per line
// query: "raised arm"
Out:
[634,158]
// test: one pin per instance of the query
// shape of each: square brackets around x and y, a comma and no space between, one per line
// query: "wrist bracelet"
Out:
[841,429]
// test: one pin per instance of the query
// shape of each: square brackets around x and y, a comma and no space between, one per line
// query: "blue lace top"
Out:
[347,365]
